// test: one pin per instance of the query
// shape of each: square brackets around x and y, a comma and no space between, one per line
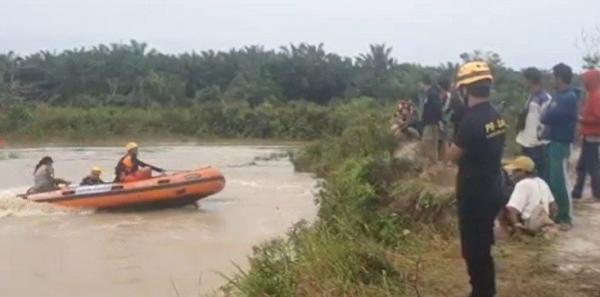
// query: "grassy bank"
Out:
[297,121]
[374,219]
[385,229]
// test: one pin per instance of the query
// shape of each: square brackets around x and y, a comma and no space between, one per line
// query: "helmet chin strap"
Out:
[464,95]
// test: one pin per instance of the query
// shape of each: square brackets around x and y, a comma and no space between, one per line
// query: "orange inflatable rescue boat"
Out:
[172,190]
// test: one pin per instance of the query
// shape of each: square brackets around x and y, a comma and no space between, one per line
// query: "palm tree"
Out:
[490,57]
[589,44]
[377,59]
[9,64]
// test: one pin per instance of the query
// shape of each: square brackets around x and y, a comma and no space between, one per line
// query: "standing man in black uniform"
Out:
[477,150]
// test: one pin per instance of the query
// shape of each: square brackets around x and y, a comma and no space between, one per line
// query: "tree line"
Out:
[132,74]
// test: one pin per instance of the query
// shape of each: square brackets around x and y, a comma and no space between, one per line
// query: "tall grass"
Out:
[368,215]
[293,121]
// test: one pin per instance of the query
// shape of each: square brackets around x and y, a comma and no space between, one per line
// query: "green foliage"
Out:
[131,74]
[366,211]
[590,45]
[365,133]
[250,92]
[418,201]
[293,120]
[14,117]
[272,272]
[317,262]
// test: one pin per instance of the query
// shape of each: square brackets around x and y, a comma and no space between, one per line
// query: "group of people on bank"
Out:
[528,193]
[129,168]
[436,124]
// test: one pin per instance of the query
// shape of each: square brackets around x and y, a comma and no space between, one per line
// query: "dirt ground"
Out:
[577,252]
[566,265]
[579,248]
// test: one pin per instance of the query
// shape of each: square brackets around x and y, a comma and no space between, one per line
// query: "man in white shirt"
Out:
[529,126]
[531,205]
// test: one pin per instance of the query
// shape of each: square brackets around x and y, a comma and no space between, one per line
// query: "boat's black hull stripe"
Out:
[121,192]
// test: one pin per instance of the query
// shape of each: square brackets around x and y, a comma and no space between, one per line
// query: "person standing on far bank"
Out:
[431,119]
[529,126]
[478,150]
[453,109]
[560,119]
[589,160]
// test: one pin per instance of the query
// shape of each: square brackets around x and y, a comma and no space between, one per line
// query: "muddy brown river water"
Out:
[49,251]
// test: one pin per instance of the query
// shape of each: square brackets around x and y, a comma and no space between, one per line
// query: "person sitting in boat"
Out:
[130,168]
[43,177]
[93,178]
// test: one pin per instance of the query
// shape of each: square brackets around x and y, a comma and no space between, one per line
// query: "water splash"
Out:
[244,183]
[13,206]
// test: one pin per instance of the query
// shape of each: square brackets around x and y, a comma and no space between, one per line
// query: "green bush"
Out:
[318,262]
[370,136]
[370,204]
[293,121]
[271,272]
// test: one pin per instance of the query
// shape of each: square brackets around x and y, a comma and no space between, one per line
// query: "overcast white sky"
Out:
[524,32]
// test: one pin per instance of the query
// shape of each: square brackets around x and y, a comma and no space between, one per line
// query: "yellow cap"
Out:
[131,145]
[521,163]
[473,72]
[96,169]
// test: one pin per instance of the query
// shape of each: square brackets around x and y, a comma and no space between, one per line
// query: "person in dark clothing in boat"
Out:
[93,178]
[43,177]
[130,168]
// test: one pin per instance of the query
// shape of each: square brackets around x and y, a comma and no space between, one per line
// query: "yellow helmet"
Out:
[523,163]
[131,145]
[96,169]
[473,72]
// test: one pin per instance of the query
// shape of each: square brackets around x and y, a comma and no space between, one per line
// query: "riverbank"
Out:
[386,228]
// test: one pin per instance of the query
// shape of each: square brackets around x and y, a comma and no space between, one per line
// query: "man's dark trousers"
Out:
[589,163]
[477,238]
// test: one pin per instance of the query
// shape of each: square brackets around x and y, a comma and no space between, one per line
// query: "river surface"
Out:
[49,251]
